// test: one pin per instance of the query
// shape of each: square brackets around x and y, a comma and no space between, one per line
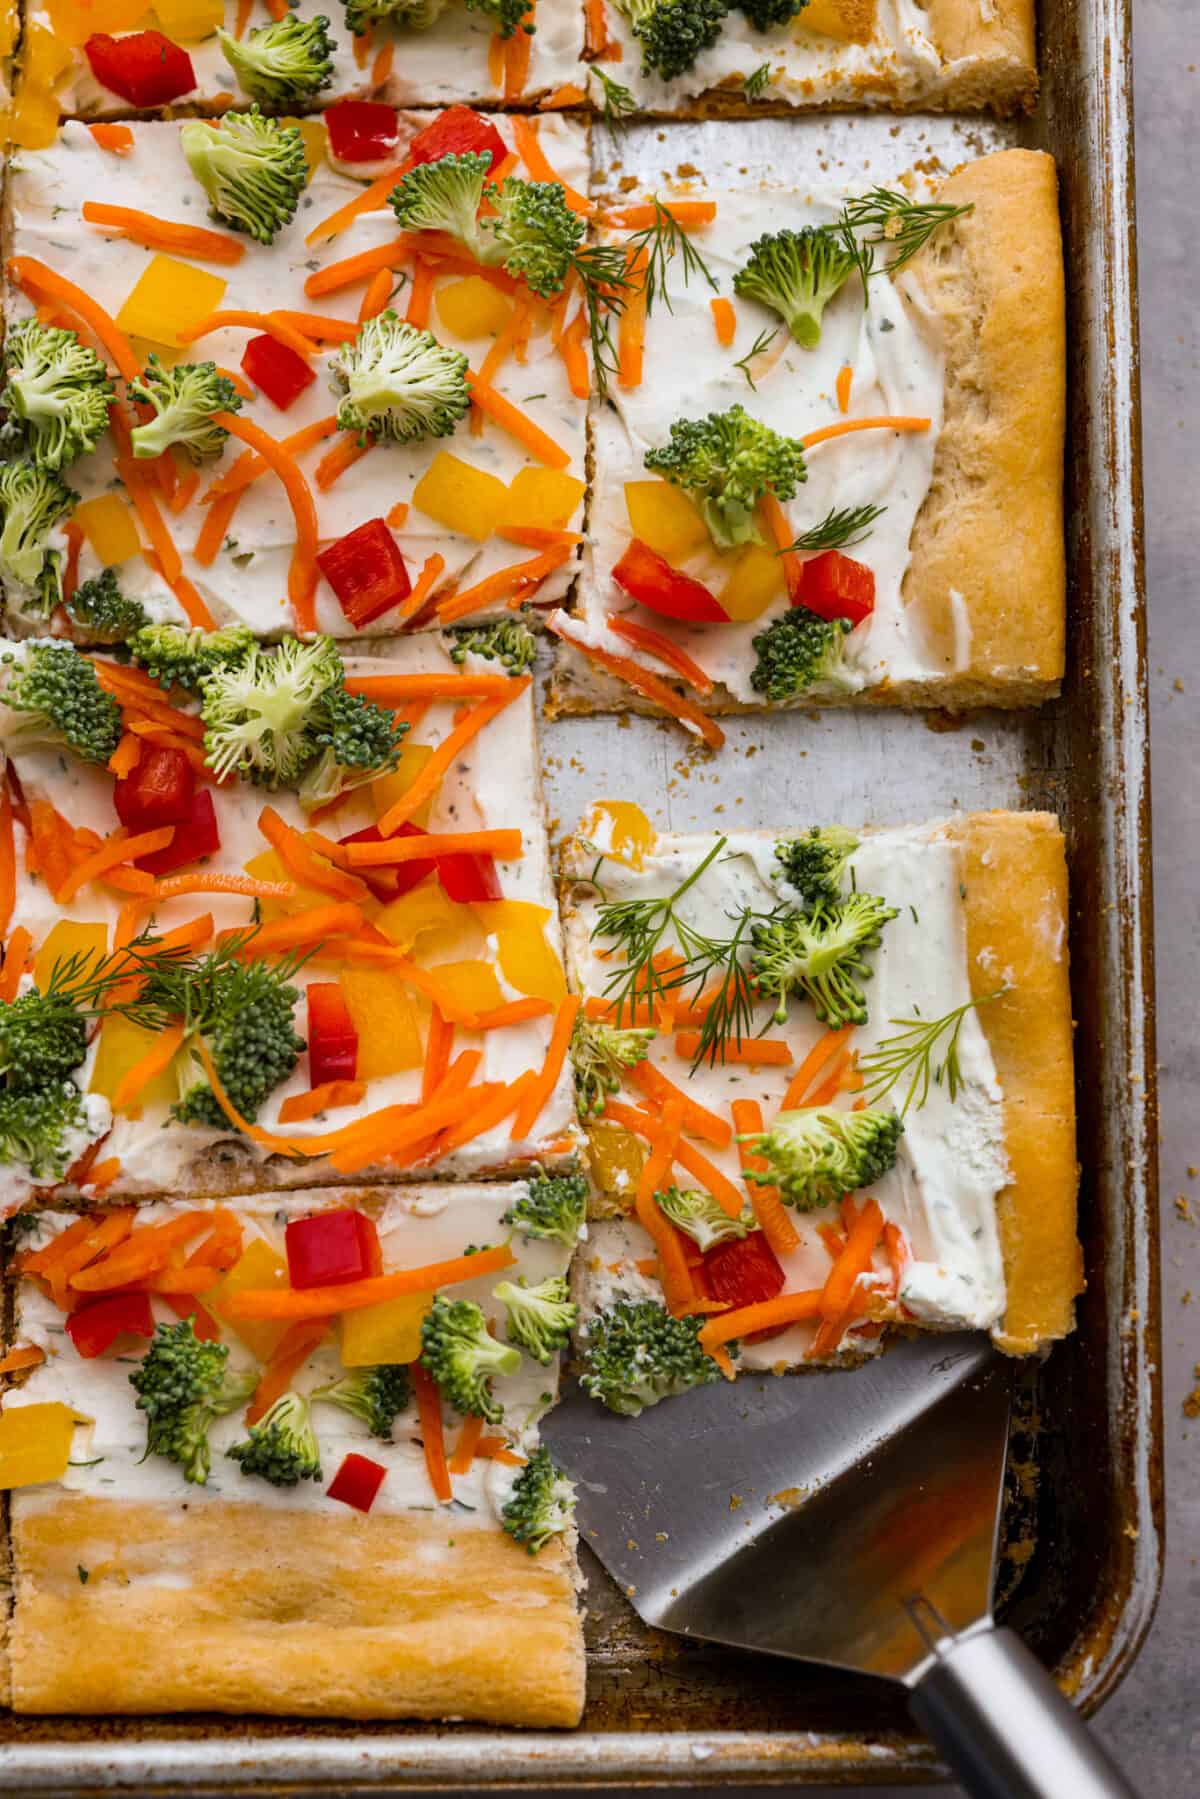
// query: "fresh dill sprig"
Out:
[660,243]
[755,86]
[200,991]
[913,1048]
[603,273]
[839,529]
[637,928]
[618,101]
[759,347]
[886,217]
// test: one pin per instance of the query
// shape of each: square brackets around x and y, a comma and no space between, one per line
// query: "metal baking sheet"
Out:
[661,1711]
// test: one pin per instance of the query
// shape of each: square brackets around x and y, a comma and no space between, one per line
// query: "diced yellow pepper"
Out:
[122,1045]
[615,1160]
[664,518]
[473,984]
[35,1443]
[315,141]
[73,21]
[472,308]
[387,789]
[107,523]
[170,297]
[461,497]
[528,963]
[510,915]
[257,1267]
[390,1332]
[32,122]
[543,497]
[9,25]
[65,940]
[421,910]
[754,580]
[168,354]
[43,58]
[385,1017]
[462,941]
[187,21]
[853,24]
[632,837]
[269,866]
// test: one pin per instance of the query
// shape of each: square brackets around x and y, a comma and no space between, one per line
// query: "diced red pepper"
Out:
[144,67]
[361,130]
[469,878]
[649,579]
[196,835]
[390,883]
[158,792]
[835,586]
[366,571]
[331,1247]
[277,371]
[459,131]
[332,1038]
[743,1272]
[96,1326]
[357,1481]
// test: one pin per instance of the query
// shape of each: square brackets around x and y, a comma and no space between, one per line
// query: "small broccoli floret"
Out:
[726,463]
[410,15]
[399,382]
[506,15]
[356,740]
[797,651]
[99,608]
[542,1504]
[796,274]
[376,1395]
[252,169]
[44,1130]
[533,233]
[635,1353]
[183,1385]
[815,865]
[540,1318]
[553,1206]
[43,1038]
[185,399]
[57,389]
[290,59]
[445,195]
[282,1447]
[601,1053]
[32,501]
[461,1355]
[259,710]
[766,15]
[49,695]
[183,656]
[701,1217]
[820,956]
[814,1156]
[510,643]
[674,33]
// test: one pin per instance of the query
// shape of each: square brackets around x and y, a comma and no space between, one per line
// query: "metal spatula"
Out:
[878,1557]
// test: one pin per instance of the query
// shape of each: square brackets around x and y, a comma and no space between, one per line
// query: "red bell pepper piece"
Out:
[277,371]
[743,1272]
[390,883]
[145,67]
[196,835]
[835,586]
[331,1247]
[459,131]
[332,1038]
[467,878]
[158,792]
[361,130]
[649,579]
[95,1326]
[366,571]
[357,1481]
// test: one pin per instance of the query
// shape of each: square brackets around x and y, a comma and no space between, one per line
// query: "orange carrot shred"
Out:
[446,754]
[663,649]
[529,148]
[883,423]
[326,1098]
[192,241]
[845,377]
[765,1202]
[429,1413]
[420,293]
[116,139]
[724,320]
[648,684]
[812,1065]
[543,1085]
[293,1351]
[468,1443]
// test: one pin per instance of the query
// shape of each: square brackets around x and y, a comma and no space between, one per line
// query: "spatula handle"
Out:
[1005,1729]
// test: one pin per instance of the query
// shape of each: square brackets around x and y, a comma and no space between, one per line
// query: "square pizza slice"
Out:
[295,1468]
[827,1081]
[276,919]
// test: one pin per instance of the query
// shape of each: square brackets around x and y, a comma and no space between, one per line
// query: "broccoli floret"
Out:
[182,1385]
[376,1395]
[766,15]
[43,1039]
[506,15]
[356,740]
[282,1447]
[815,865]
[399,382]
[725,463]
[796,274]
[600,1054]
[252,169]
[701,1217]
[533,233]
[553,1206]
[445,195]
[57,389]
[542,1504]
[44,1130]
[634,1354]
[99,608]
[510,643]
[797,651]
[674,33]
[258,711]
[413,15]
[290,59]
[185,400]
[819,955]
[32,501]
[814,1156]
[540,1318]
[183,656]
[49,695]
[461,1355]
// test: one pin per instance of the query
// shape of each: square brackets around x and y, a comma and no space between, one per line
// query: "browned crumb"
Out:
[1191,1405]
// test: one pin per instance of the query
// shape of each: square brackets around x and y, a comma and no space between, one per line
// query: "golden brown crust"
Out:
[237,1608]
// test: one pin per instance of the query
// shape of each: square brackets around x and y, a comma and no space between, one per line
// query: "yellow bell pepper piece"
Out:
[462,941]
[632,837]
[664,518]
[543,497]
[32,122]
[35,1443]
[107,523]
[510,915]
[387,789]
[754,581]
[472,308]
[43,58]
[9,26]
[473,984]
[421,910]
[169,297]
[268,866]
[65,940]
[615,1161]
[390,1332]
[528,963]
[385,1017]
[121,1047]
[73,21]
[461,497]
[833,18]
[187,21]
[315,138]
[257,1267]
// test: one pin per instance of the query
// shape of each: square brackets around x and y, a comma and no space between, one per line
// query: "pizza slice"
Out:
[827,1083]
[296,1469]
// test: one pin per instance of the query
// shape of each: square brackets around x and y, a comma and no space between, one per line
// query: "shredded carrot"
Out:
[537,537]
[325,1098]
[215,528]
[310,926]
[25,1355]
[678,1288]
[788,1308]
[570,348]
[373,198]
[299,860]
[158,1057]
[176,886]
[751,1052]
[518,575]
[862,1239]
[245,8]
[192,241]
[249,468]
[543,1085]
[317,326]
[897,1251]
[189,479]
[362,46]
[395,691]
[684,213]
[510,418]
[118,848]
[353,1296]
[116,139]
[467,1445]
[812,1065]
[381,68]
[845,377]
[724,320]
[8,859]
[765,1202]
[505,844]
[341,456]
[835,1079]
[844,426]
[429,1414]
[302,575]
[420,293]
[248,321]
[780,533]
[422,587]
[529,148]
[486,1113]
[36,278]
[566,95]
[397,517]
[497,47]
[70,578]
[631,330]
[503,345]
[517,52]
[378,293]
[643,682]
[514,1011]
[142,1252]
[697,1119]
[16,955]
[663,649]
[599,44]
[644,1123]
[362,265]
[438,1046]
[446,754]
[293,1351]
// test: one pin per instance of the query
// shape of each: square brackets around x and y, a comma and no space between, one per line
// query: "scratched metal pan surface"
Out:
[1083,1586]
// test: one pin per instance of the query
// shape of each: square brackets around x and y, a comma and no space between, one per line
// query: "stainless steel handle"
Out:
[1004,1727]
